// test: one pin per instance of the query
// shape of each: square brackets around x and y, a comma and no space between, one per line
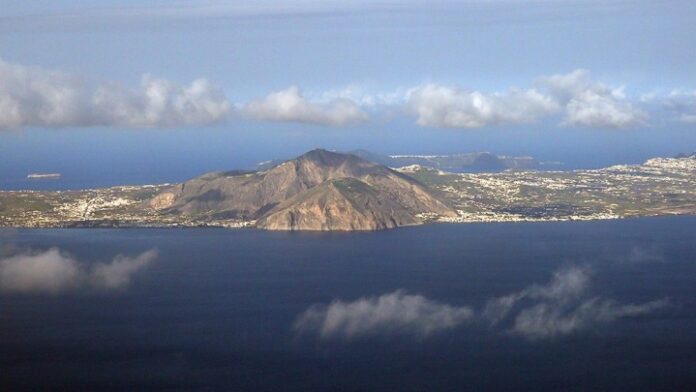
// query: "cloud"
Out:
[36,97]
[50,272]
[394,313]
[592,104]
[581,101]
[54,272]
[161,103]
[565,285]
[547,320]
[118,273]
[681,104]
[290,105]
[560,307]
[643,254]
[446,107]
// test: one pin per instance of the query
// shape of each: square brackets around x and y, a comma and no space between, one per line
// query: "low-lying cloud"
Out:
[560,307]
[565,285]
[393,313]
[290,105]
[54,272]
[36,97]
[550,319]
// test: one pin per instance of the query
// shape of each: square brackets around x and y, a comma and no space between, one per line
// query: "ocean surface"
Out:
[606,305]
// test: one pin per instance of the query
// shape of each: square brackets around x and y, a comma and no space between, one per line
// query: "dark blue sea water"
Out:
[216,310]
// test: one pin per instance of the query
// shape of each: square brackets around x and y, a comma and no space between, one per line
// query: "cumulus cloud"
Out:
[394,313]
[54,272]
[581,101]
[592,104]
[291,105]
[440,106]
[32,96]
[161,103]
[560,307]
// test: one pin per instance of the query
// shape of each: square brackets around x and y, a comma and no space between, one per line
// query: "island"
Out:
[332,191]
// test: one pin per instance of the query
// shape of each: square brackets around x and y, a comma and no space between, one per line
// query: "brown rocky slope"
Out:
[320,190]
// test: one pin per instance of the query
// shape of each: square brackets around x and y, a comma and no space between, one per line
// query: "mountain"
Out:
[320,190]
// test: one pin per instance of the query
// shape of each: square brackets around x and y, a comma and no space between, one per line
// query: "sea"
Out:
[587,306]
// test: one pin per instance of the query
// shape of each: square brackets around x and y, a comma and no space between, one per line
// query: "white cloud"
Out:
[565,285]
[582,101]
[394,313]
[560,307]
[446,107]
[32,96]
[290,105]
[592,104]
[161,103]
[119,271]
[546,320]
[53,272]
[50,272]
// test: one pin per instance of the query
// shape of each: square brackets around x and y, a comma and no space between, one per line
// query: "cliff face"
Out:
[320,190]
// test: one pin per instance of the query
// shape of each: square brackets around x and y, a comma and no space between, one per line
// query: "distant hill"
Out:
[457,163]
[320,190]
[473,162]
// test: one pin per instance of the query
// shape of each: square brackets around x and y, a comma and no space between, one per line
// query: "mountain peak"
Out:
[334,191]
[326,157]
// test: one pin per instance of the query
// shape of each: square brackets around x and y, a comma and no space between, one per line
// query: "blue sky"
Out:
[229,83]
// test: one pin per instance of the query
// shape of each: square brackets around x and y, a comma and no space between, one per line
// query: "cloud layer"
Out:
[393,313]
[32,96]
[37,97]
[290,106]
[54,272]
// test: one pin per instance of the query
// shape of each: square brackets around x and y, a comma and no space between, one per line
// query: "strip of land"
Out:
[324,190]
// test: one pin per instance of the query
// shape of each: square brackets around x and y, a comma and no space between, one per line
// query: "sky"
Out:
[163,90]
